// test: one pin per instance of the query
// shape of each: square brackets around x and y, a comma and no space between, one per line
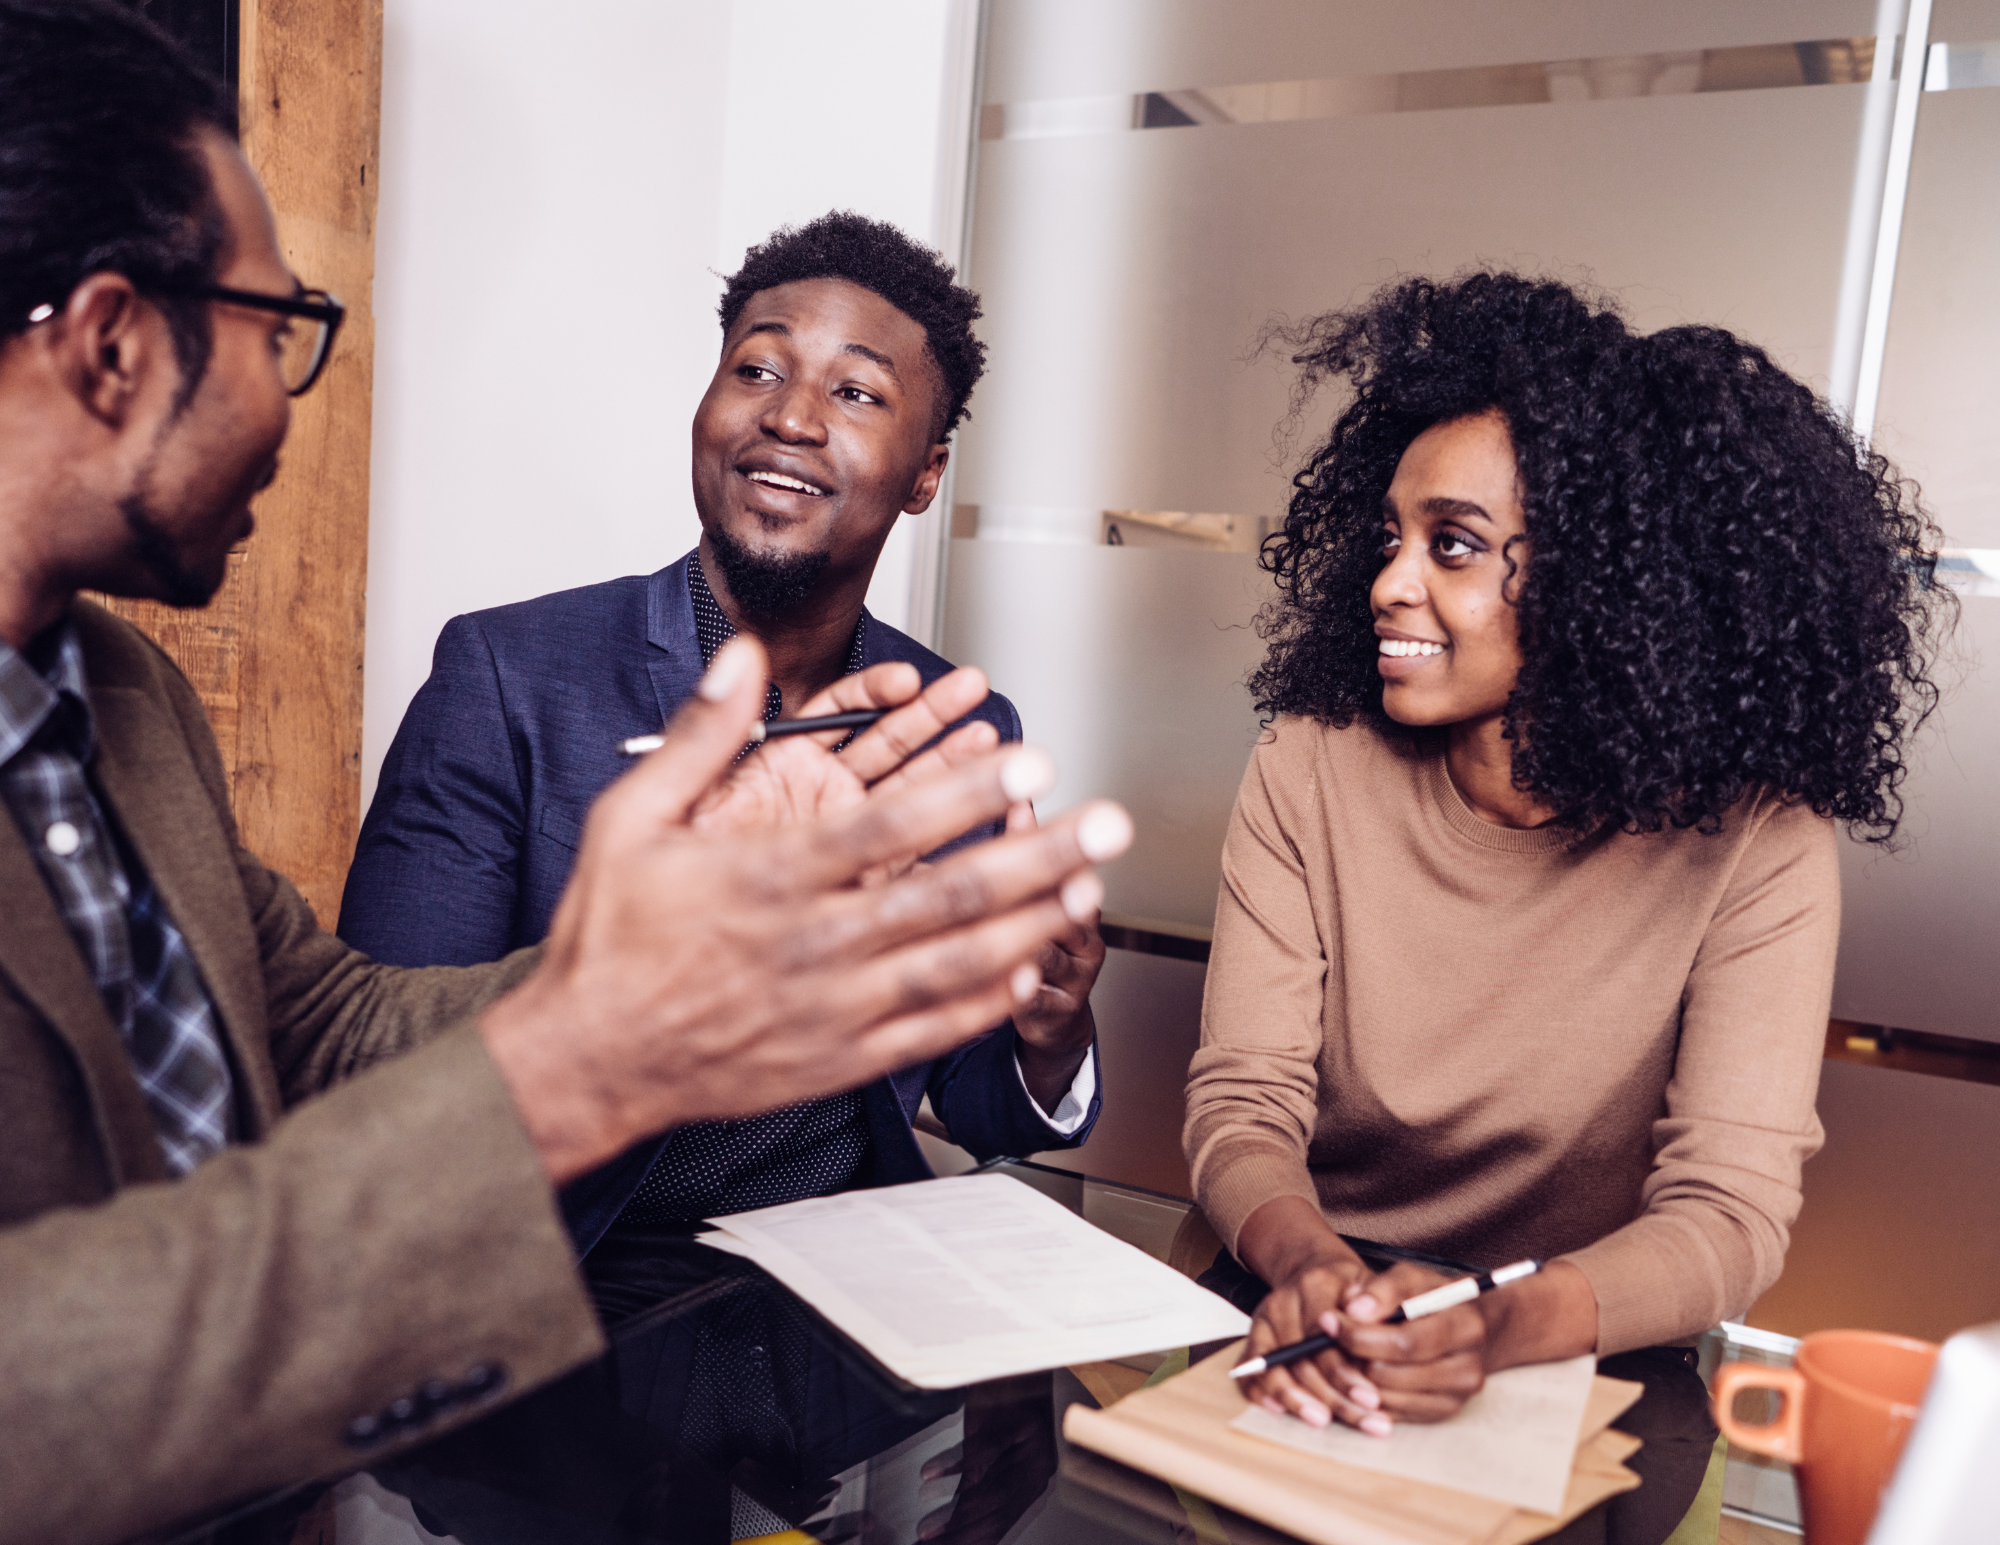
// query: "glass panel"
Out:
[1941,366]
[1916,934]
[1056,48]
[1126,662]
[1127,276]
[1318,151]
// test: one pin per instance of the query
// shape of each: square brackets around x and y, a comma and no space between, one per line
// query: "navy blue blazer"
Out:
[476,820]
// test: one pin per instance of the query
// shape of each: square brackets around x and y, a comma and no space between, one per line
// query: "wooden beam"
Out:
[277,656]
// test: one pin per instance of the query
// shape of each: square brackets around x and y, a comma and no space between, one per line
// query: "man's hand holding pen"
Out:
[700,972]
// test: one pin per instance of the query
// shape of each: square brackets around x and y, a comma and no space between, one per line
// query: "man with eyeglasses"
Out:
[268,1210]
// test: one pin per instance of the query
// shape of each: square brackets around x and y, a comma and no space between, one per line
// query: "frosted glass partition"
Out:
[1918,930]
[1158,180]
[1127,276]
[1940,406]
[1048,49]
[1127,662]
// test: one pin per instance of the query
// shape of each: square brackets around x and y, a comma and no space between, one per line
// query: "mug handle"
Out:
[1781,1439]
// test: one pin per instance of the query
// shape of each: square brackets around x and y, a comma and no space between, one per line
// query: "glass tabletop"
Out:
[726,1410]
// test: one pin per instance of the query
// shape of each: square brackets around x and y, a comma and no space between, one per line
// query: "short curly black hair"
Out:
[1721,590]
[905,273]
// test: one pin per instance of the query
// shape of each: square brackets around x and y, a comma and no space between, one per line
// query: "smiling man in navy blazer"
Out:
[848,355]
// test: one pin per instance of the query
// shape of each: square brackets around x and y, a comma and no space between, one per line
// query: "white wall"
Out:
[561,188]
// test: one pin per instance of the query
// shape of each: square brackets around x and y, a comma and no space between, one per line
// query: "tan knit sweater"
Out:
[1491,1043]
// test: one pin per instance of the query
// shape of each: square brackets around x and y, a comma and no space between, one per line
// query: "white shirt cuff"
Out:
[1075,1103]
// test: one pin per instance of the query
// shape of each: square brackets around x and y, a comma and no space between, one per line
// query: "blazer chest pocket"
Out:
[563,824]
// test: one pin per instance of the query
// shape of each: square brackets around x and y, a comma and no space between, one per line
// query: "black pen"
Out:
[860,719]
[1463,1291]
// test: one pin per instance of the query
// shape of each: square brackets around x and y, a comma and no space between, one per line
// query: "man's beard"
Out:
[180,586]
[766,586]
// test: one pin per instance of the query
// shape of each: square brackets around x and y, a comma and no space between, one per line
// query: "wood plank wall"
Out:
[277,656]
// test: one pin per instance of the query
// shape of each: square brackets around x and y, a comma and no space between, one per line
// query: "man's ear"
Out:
[926,486]
[104,346]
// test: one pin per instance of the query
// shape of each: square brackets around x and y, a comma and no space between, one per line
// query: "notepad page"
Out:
[950,1282]
[1514,1441]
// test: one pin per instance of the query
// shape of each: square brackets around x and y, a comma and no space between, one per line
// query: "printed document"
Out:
[949,1282]
[1514,1441]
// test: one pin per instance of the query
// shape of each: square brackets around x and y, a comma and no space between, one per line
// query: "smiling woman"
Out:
[1583,642]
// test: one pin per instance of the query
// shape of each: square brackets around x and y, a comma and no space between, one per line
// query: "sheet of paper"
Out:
[1514,1441]
[948,1282]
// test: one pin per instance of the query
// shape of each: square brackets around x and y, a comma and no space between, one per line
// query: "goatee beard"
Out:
[766,586]
[179,585]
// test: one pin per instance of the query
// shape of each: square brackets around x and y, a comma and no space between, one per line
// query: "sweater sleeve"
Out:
[1724,1190]
[1253,1086]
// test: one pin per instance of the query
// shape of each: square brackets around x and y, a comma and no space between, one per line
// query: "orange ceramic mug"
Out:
[1850,1399]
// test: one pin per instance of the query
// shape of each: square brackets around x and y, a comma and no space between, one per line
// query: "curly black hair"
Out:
[1721,590]
[99,165]
[876,256]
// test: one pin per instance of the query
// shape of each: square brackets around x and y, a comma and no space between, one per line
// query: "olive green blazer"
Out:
[378,1260]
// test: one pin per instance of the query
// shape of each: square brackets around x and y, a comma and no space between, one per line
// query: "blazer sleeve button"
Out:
[401,1413]
[437,1395]
[363,1432]
[483,1379]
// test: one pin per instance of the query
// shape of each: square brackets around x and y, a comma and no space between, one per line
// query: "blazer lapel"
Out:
[674,661]
[150,782]
[38,954]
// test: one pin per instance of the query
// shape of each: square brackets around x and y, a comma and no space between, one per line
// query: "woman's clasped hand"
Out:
[1377,1374]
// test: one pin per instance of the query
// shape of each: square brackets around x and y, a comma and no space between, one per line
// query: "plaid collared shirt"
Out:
[137,957]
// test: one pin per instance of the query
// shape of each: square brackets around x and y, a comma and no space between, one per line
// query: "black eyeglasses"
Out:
[302,351]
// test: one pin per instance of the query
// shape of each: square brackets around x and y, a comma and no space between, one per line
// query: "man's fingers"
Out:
[888,685]
[965,744]
[926,1034]
[921,817]
[700,744]
[885,746]
[998,951]
[1005,872]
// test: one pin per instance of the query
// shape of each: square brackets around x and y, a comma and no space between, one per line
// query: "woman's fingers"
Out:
[1429,1392]
[1424,1370]
[1327,1387]
[1303,1390]
[1462,1329]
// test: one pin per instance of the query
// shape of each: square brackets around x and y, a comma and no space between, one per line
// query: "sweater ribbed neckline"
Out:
[1459,816]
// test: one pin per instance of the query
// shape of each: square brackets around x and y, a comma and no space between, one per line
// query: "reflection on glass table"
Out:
[727,1410]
